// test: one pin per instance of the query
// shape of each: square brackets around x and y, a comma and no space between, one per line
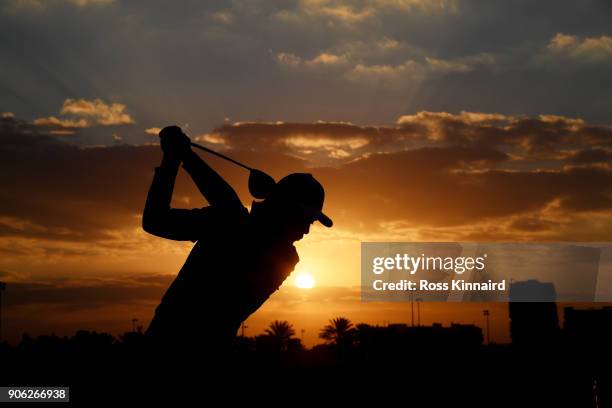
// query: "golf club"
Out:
[260,183]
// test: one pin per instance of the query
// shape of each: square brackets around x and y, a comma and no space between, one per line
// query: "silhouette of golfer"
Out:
[239,258]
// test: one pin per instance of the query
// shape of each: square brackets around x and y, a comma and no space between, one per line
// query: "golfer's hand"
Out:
[174,142]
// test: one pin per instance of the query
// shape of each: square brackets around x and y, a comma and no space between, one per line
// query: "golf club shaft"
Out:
[206,149]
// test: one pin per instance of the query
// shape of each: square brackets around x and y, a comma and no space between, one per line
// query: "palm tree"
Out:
[281,332]
[339,331]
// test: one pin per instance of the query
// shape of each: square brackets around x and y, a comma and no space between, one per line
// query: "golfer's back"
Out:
[227,276]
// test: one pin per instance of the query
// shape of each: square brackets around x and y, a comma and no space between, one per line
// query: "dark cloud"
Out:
[591,156]
[60,187]
[188,64]
[470,171]
[79,295]
[432,187]
[526,138]
[61,191]
[62,306]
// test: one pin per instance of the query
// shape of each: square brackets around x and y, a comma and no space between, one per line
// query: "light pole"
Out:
[486,315]
[2,288]
[419,300]
[242,327]
[134,321]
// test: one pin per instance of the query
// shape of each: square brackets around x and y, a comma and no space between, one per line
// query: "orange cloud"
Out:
[489,166]
[102,113]
[585,49]
[82,113]
[154,131]
[62,123]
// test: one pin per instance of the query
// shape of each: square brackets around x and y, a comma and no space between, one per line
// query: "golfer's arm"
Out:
[158,218]
[213,187]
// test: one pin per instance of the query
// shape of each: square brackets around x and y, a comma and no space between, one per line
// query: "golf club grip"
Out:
[206,149]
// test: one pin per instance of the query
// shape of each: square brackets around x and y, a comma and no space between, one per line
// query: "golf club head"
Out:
[260,184]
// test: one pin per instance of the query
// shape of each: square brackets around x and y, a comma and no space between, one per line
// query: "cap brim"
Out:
[317,215]
[325,220]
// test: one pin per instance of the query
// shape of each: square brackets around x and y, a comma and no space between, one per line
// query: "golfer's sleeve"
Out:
[172,223]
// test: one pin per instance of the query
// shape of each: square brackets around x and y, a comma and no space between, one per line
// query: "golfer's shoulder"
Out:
[236,214]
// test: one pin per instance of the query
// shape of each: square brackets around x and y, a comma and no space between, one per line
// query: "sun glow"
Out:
[304,280]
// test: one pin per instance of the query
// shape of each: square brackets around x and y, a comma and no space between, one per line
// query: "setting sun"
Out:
[304,280]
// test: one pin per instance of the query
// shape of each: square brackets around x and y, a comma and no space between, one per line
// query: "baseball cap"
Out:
[303,190]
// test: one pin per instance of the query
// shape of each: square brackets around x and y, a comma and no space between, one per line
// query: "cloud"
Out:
[315,142]
[463,64]
[62,306]
[524,138]
[375,49]
[531,138]
[69,182]
[71,218]
[412,71]
[363,10]
[102,113]
[324,142]
[82,113]
[321,61]
[288,59]
[213,138]
[492,167]
[352,64]
[84,194]
[589,49]
[53,121]
[335,10]
[118,59]
[415,186]
[326,59]
[428,118]
[562,42]
[589,156]
[385,75]
[81,294]
[154,131]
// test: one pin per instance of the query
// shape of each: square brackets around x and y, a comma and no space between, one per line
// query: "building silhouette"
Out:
[588,328]
[533,313]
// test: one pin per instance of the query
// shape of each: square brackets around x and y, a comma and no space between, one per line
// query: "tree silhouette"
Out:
[339,332]
[281,333]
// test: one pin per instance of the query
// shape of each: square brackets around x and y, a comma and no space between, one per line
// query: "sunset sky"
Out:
[425,120]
